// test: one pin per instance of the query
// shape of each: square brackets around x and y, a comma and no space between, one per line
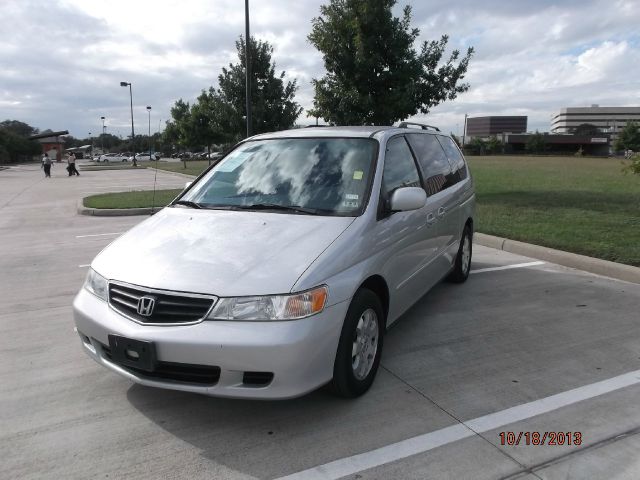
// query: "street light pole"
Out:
[91,145]
[102,136]
[247,68]
[133,135]
[149,111]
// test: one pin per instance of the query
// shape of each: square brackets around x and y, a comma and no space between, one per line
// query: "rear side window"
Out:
[437,171]
[399,167]
[455,157]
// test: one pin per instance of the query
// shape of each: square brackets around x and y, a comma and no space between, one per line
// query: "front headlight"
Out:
[96,284]
[272,307]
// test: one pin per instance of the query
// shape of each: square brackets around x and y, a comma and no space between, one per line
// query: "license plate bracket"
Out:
[128,352]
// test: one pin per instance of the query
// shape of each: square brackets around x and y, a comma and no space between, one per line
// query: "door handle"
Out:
[442,211]
[431,218]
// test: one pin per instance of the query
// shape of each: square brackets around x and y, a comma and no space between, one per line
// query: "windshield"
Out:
[324,176]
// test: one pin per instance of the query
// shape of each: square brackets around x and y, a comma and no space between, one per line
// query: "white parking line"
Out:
[99,234]
[84,266]
[429,441]
[507,267]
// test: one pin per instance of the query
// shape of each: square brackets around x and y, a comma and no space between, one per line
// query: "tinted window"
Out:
[330,175]
[433,161]
[399,167]
[455,157]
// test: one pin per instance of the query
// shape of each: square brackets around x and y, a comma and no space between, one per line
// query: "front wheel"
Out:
[360,345]
[461,268]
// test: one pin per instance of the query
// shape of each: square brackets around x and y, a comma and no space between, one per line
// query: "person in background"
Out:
[46,165]
[71,167]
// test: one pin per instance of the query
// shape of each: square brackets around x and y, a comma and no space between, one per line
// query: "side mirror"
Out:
[187,185]
[404,199]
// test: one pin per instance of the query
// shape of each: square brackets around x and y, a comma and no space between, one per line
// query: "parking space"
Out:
[523,346]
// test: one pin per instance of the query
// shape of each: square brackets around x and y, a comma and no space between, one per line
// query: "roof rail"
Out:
[424,127]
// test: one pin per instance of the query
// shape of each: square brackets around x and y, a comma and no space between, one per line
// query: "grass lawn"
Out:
[130,199]
[194,167]
[582,205]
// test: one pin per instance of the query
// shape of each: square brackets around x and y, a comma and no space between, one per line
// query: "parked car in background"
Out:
[106,157]
[143,157]
[280,269]
[215,155]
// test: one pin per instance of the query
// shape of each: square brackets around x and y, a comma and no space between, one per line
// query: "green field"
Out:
[582,205]
[131,199]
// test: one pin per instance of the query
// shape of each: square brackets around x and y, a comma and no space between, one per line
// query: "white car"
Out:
[144,156]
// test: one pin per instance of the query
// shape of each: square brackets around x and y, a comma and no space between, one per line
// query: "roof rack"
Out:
[424,127]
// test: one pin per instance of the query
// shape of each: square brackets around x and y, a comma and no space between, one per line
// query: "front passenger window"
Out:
[399,167]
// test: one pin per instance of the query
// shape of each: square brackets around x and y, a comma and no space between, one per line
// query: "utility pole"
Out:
[247,61]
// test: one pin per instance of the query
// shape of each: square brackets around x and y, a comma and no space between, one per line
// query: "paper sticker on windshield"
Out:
[357,175]
[351,196]
[232,162]
[350,204]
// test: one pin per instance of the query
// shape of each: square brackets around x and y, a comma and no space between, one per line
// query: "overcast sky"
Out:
[62,61]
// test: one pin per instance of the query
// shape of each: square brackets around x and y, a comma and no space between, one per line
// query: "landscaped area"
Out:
[581,205]
[136,199]
[194,167]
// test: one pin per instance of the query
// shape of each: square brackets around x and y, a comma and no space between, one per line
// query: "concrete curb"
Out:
[566,259]
[115,212]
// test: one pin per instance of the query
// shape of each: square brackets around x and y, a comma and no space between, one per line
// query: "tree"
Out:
[374,73]
[14,141]
[478,146]
[18,128]
[273,106]
[586,129]
[535,143]
[493,144]
[629,138]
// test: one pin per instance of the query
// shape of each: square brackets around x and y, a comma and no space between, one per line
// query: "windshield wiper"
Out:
[275,206]
[187,203]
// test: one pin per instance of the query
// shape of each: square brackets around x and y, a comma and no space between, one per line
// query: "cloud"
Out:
[63,60]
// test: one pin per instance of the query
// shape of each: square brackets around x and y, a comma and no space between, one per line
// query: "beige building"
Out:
[607,119]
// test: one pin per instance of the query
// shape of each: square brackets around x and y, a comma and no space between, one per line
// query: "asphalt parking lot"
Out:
[522,347]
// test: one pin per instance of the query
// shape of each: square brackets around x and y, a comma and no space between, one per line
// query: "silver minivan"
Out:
[280,268]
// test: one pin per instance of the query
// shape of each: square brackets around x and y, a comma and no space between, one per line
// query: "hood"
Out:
[224,253]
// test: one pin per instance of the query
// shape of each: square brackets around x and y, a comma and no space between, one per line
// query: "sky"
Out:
[62,61]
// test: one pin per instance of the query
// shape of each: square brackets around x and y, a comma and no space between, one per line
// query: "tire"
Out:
[461,268]
[354,374]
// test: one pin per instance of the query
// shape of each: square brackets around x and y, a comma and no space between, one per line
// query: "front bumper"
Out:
[299,353]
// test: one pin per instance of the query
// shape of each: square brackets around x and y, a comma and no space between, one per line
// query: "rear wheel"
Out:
[461,268]
[360,345]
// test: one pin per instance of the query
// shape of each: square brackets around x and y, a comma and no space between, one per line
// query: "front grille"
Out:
[169,307]
[175,372]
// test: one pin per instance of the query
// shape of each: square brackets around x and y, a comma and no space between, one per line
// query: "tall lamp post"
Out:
[102,136]
[247,60]
[149,111]
[133,135]
[91,145]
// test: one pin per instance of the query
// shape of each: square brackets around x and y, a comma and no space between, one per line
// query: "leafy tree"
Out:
[374,73]
[18,128]
[585,129]
[273,106]
[15,148]
[535,143]
[629,138]
[478,146]
[493,145]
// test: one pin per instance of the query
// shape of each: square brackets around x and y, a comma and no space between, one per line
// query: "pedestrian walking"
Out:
[46,165]
[71,165]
